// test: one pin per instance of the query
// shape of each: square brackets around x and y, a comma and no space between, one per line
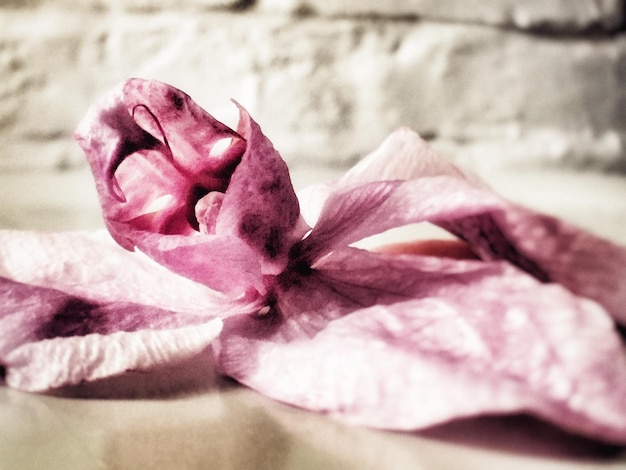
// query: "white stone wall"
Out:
[499,85]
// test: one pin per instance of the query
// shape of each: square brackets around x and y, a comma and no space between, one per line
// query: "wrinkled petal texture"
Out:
[260,205]
[51,339]
[426,340]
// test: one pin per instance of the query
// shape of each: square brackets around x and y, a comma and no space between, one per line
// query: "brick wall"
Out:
[497,84]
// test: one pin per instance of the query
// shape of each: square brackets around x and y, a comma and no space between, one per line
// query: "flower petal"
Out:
[226,264]
[90,265]
[403,155]
[543,246]
[260,205]
[193,135]
[355,212]
[348,215]
[51,339]
[170,186]
[150,149]
[419,341]
[551,250]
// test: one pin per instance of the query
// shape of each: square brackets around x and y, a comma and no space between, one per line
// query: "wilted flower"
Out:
[384,339]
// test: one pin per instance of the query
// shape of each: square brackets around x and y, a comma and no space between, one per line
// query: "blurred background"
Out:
[529,94]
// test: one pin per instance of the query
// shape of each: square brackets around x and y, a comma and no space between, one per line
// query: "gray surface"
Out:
[231,427]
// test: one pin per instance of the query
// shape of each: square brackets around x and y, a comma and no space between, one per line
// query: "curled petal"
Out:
[260,205]
[402,156]
[156,155]
[356,212]
[60,362]
[196,138]
[349,215]
[153,154]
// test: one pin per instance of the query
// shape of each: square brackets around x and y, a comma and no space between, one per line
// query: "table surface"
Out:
[231,427]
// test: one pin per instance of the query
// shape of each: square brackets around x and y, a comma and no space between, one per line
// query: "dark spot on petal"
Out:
[226,171]
[197,193]
[250,225]
[303,268]
[75,317]
[140,140]
[273,242]
[271,186]
[294,278]
[298,262]
[268,239]
[483,234]
[176,100]
[3,372]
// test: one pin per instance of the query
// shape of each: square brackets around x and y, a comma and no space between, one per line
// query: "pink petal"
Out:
[223,217]
[403,155]
[260,205]
[435,191]
[552,250]
[51,339]
[349,214]
[61,362]
[405,342]
[150,148]
[355,212]
[92,266]
[226,264]
[192,133]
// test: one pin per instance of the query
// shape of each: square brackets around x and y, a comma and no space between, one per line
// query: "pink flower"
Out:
[294,310]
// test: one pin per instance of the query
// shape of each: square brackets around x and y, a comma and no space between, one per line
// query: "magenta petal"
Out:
[192,133]
[352,213]
[152,153]
[51,339]
[114,145]
[463,340]
[90,265]
[433,190]
[260,205]
[187,190]
[226,264]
